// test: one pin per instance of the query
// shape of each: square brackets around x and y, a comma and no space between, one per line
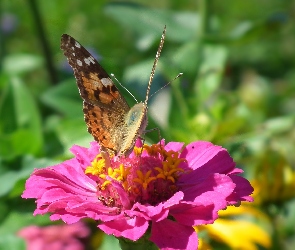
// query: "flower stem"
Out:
[43,40]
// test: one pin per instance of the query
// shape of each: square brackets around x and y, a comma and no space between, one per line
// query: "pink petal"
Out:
[67,218]
[209,190]
[160,211]
[175,146]
[193,214]
[170,235]
[152,212]
[211,158]
[132,228]
[85,155]
[242,191]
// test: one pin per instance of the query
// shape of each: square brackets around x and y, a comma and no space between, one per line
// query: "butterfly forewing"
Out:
[95,85]
[104,107]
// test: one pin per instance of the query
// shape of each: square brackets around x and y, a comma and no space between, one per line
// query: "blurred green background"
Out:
[238,91]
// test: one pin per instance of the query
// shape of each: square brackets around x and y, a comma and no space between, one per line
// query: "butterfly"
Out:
[109,119]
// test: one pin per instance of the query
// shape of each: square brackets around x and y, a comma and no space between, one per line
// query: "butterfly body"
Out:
[136,117]
[110,120]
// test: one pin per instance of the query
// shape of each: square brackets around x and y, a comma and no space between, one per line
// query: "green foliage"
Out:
[237,90]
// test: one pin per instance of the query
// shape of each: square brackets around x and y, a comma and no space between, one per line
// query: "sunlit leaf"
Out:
[279,124]
[211,71]
[181,25]
[21,63]
[110,242]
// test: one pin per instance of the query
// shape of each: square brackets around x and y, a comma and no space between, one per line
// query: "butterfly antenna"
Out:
[179,75]
[154,65]
[112,75]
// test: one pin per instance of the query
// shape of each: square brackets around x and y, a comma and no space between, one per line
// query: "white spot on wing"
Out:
[86,60]
[79,62]
[89,60]
[73,54]
[106,82]
[77,44]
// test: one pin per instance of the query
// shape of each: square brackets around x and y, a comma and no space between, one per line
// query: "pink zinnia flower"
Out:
[58,237]
[158,191]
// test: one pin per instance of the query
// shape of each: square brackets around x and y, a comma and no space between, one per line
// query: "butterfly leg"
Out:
[159,134]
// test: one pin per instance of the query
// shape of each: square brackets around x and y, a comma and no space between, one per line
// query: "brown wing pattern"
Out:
[104,107]
[95,85]
[104,126]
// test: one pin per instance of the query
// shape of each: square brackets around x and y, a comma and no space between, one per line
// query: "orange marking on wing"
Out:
[115,94]
[97,120]
[94,79]
[88,85]
[106,120]
[105,97]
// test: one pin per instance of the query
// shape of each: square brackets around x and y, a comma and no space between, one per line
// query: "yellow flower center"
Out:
[149,176]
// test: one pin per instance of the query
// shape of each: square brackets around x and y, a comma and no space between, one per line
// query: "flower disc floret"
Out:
[143,182]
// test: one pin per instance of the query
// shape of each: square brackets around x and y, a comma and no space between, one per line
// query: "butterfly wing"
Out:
[104,107]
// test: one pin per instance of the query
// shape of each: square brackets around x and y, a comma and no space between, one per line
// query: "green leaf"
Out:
[211,71]
[279,125]
[73,131]
[18,143]
[20,130]
[110,242]
[241,29]
[4,81]
[64,98]
[16,220]
[10,180]
[182,26]
[21,63]
[183,59]
[11,241]
[137,77]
